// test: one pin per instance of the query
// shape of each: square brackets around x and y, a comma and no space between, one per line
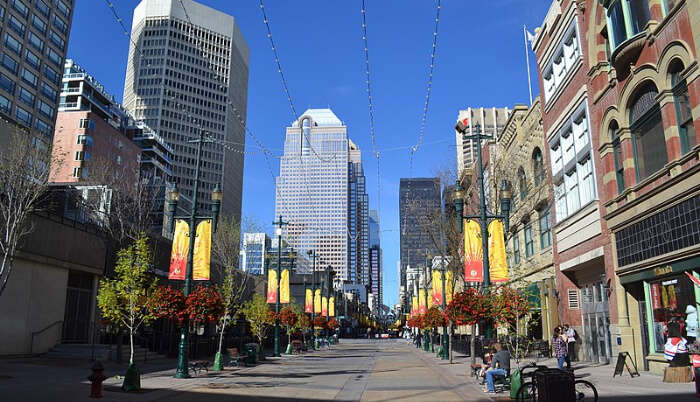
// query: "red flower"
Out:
[169,303]
[204,304]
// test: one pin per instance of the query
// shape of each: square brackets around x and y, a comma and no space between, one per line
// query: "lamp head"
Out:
[217,195]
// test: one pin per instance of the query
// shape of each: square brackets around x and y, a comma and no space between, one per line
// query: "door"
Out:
[77,316]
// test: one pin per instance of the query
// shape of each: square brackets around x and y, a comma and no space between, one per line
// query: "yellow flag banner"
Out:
[309,302]
[178,254]
[331,306]
[436,294]
[449,288]
[284,287]
[317,301]
[498,266]
[430,299]
[271,286]
[414,303]
[202,252]
[473,252]
[421,302]
[324,306]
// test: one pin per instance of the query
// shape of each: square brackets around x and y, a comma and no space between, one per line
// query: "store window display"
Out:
[673,301]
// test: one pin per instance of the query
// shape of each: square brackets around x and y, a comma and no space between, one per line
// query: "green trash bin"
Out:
[251,352]
[515,383]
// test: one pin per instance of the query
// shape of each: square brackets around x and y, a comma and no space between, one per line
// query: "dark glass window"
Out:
[42,7]
[516,249]
[529,243]
[5,105]
[32,59]
[20,7]
[39,24]
[13,44]
[7,83]
[26,97]
[538,166]
[617,20]
[35,41]
[10,63]
[686,130]
[639,11]
[16,25]
[545,228]
[522,183]
[648,133]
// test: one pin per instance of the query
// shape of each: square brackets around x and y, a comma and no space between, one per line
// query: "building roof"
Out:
[322,117]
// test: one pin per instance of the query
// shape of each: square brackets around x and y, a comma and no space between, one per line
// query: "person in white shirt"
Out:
[570,334]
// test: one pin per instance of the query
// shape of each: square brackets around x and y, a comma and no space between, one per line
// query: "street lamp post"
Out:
[280,223]
[182,370]
[428,337]
[444,307]
[312,254]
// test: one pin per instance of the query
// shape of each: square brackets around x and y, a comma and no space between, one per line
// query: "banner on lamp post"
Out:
[317,301]
[271,286]
[436,294]
[498,266]
[284,287]
[421,302]
[331,306]
[473,252]
[324,306]
[178,254]
[414,306]
[201,263]
[309,301]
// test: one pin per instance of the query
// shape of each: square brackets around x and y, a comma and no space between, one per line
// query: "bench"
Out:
[234,358]
[197,366]
[296,347]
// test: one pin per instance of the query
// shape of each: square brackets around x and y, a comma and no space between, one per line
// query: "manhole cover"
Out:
[215,385]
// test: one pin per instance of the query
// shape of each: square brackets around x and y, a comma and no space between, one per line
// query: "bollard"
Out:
[96,379]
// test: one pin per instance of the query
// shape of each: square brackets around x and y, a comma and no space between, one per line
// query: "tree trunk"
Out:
[472,344]
[221,335]
[131,342]
[449,342]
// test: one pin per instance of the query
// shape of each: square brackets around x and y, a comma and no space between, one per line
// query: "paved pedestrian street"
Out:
[354,370]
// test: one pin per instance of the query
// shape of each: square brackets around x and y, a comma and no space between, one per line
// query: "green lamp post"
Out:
[193,218]
[428,341]
[278,231]
[312,254]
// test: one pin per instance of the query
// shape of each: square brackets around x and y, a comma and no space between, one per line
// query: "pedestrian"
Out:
[559,346]
[571,338]
[500,366]
[419,340]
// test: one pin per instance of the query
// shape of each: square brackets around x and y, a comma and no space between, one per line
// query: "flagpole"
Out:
[527,59]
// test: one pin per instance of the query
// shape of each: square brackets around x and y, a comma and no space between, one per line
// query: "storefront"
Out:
[667,294]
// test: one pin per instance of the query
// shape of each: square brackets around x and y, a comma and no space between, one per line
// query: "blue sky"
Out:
[480,62]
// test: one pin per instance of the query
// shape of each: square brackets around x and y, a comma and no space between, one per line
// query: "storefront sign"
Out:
[658,271]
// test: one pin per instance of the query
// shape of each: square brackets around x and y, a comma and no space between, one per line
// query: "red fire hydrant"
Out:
[96,380]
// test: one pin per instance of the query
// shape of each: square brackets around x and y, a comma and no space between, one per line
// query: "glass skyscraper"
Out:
[321,193]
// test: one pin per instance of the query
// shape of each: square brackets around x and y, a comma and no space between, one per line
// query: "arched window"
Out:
[522,183]
[537,166]
[617,155]
[686,130]
[648,132]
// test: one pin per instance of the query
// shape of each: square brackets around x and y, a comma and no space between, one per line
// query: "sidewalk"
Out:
[646,387]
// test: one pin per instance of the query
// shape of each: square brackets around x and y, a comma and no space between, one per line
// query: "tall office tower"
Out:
[375,258]
[314,191]
[418,198]
[488,121]
[358,220]
[255,245]
[185,78]
[34,42]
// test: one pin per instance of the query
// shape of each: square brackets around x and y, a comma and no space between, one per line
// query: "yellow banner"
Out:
[473,252]
[331,306]
[309,302]
[436,294]
[271,286]
[317,301]
[498,267]
[324,306]
[421,302]
[178,254]
[284,287]
[430,299]
[202,252]
[414,303]
[449,286]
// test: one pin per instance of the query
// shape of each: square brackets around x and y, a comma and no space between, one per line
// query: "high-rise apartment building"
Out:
[375,258]
[487,121]
[255,245]
[321,193]
[33,48]
[188,74]
[419,199]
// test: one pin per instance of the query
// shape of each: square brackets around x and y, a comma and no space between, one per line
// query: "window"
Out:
[573,299]
[29,77]
[686,130]
[2,13]
[563,61]
[545,229]
[84,140]
[46,109]
[522,183]
[617,23]
[87,124]
[26,97]
[668,298]
[82,155]
[13,44]
[9,63]
[63,8]
[60,25]
[529,244]
[54,57]
[20,7]
[7,83]
[647,132]
[43,127]
[5,105]
[39,24]
[42,7]
[537,166]
[51,74]
[23,116]
[572,171]
[35,41]
[516,249]
[16,25]
[48,91]
[32,59]
[57,40]
[618,158]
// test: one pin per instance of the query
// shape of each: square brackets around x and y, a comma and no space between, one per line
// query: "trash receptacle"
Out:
[555,385]
[251,352]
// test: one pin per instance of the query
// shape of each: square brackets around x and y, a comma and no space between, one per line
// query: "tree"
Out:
[236,285]
[25,164]
[128,298]
[508,308]
[260,317]
[289,319]
[434,318]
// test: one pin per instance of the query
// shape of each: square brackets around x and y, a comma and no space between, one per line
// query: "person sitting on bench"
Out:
[500,367]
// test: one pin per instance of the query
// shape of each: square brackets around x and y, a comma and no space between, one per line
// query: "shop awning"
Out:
[533,296]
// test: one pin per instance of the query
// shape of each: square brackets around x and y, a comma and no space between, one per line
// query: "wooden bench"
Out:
[198,365]
[678,374]
[296,347]
[234,358]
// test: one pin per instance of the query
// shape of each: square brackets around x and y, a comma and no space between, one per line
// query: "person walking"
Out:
[559,346]
[571,338]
